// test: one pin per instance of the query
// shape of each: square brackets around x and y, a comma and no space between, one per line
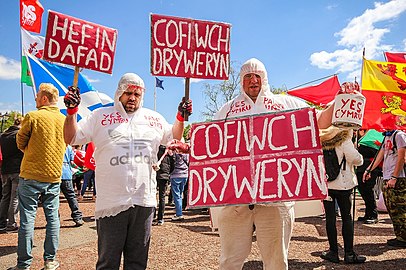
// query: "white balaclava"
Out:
[255,66]
[126,80]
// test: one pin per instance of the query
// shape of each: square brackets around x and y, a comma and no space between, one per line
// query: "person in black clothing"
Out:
[10,171]
[162,178]
[366,188]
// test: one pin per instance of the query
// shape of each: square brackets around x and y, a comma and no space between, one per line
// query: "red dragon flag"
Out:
[33,45]
[320,94]
[397,57]
[31,15]
[384,86]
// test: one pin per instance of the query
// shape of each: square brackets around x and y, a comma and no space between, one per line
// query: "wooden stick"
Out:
[187,84]
[76,76]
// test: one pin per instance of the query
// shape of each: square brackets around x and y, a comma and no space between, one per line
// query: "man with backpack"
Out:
[394,185]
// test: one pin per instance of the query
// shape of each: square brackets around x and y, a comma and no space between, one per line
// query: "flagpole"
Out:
[155,95]
[314,81]
[21,83]
[362,69]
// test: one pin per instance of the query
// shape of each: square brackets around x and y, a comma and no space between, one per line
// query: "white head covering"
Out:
[126,80]
[255,66]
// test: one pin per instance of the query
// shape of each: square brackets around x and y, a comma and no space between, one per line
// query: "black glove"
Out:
[72,98]
[184,109]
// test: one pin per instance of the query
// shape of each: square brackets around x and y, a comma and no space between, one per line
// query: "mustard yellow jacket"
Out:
[41,140]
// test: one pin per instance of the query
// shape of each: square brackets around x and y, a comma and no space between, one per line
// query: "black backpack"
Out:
[332,165]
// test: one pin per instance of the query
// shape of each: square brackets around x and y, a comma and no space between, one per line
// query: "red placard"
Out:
[79,43]
[256,159]
[189,48]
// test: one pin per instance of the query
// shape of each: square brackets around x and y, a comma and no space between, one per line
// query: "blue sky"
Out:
[298,41]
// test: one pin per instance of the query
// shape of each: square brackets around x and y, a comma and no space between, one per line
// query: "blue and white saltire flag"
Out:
[62,77]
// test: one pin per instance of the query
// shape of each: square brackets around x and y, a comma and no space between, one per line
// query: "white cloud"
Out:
[361,32]
[192,80]
[332,6]
[10,69]
[9,106]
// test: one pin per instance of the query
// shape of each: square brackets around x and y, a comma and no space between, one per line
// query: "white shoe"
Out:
[51,265]
[176,218]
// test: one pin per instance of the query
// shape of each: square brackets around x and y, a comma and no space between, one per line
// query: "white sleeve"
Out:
[85,130]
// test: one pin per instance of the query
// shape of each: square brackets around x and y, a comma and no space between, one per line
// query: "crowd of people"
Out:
[39,163]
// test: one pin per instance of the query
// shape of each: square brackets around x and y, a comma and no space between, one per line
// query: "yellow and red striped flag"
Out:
[384,86]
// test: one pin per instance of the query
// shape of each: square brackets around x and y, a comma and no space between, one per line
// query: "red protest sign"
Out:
[79,43]
[256,159]
[189,48]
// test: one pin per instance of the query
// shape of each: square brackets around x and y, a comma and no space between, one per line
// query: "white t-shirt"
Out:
[391,156]
[126,148]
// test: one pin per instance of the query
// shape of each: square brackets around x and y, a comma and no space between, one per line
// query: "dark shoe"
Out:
[371,221]
[396,243]
[362,218]
[353,258]
[12,228]
[330,256]
[78,222]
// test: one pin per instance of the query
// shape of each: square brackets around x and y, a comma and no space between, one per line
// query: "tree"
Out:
[216,95]
[7,119]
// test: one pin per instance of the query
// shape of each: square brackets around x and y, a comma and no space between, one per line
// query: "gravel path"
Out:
[192,244]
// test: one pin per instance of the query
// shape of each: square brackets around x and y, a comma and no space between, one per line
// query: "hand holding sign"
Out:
[72,99]
[349,106]
[178,147]
[184,109]
[349,88]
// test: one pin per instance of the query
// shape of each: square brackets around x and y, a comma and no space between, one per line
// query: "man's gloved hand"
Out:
[178,146]
[72,99]
[184,109]
[349,88]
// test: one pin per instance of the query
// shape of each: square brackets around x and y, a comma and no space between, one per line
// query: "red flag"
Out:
[89,159]
[31,15]
[397,57]
[320,94]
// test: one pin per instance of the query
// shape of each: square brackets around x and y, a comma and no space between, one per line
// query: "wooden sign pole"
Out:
[76,77]
[187,84]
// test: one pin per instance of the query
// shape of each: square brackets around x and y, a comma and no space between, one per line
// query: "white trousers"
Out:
[274,225]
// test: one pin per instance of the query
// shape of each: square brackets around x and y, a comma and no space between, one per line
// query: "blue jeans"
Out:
[177,186]
[69,193]
[29,192]
[87,177]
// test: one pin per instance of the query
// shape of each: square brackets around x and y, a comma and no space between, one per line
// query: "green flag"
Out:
[372,139]
[25,72]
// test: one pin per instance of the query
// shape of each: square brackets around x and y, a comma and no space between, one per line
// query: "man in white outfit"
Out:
[273,222]
[127,138]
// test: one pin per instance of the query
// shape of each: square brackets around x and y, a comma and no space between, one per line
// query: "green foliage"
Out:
[216,95]
[7,119]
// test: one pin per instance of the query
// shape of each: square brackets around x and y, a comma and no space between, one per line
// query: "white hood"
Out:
[125,80]
[255,66]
